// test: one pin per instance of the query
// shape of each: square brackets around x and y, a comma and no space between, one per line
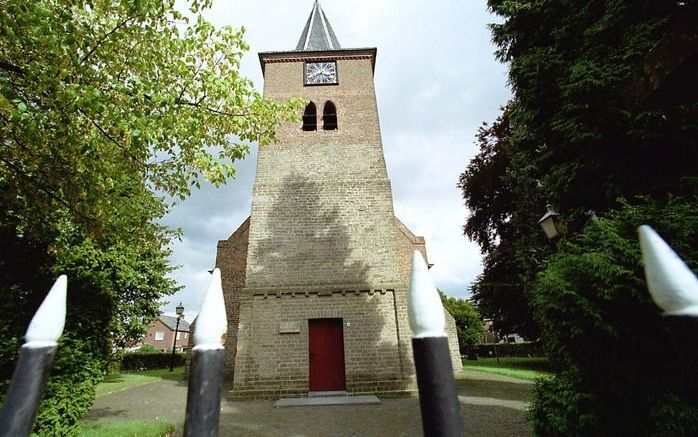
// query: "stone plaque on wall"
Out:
[289,328]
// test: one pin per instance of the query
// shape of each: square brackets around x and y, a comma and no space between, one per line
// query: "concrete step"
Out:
[324,394]
[326,400]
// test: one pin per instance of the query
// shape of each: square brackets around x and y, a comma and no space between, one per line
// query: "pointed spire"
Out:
[318,34]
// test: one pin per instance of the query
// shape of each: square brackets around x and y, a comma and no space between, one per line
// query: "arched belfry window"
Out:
[310,117]
[329,116]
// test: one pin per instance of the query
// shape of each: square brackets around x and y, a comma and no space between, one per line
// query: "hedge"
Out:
[149,361]
[526,349]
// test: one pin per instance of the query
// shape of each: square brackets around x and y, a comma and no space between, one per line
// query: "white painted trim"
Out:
[48,322]
[673,286]
[40,344]
[425,310]
[211,323]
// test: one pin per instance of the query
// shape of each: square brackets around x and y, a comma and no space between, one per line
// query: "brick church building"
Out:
[315,280]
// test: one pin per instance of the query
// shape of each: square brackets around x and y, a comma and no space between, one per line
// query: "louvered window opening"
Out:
[329,116]
[310,117]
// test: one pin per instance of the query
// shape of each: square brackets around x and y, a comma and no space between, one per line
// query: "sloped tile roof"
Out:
[171,322]
[318,34]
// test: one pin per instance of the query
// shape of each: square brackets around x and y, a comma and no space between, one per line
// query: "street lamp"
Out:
[180,312]
[547,222]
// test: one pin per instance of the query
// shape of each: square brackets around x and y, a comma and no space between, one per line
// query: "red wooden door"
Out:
[326,347]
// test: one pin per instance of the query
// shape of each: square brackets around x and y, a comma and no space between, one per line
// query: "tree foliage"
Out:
[106,109]
[603,118]
[581,130]
[469,323]
[503,199]
[620,368]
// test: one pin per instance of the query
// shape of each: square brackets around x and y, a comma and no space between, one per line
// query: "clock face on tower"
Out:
[321,73]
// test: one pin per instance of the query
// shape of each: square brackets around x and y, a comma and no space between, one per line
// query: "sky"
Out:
[436,81]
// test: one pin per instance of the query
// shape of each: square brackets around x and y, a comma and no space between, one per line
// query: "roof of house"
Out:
[318,33]
[171,322]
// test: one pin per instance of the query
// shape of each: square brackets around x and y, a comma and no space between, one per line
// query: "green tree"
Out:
[603,118]
[502,199]
[469,323]
[619,369]
[581,130]
[107,110]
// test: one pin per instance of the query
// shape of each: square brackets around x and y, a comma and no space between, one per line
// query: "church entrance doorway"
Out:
[326,350]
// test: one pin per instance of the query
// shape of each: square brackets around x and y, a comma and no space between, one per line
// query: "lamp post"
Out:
[547,222]
[180,313]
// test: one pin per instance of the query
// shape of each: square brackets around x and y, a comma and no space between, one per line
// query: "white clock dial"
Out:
[320,73]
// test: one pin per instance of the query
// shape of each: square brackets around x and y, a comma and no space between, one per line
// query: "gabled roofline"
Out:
[305,55]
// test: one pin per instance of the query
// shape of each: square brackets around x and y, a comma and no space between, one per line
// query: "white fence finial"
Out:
[426,312]
[211,323]
[673,286]
[48,322]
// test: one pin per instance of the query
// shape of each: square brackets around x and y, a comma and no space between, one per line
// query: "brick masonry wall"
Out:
[322,200]
[165,344]
[322,241]
[274,364]
[408,244]
[231,258]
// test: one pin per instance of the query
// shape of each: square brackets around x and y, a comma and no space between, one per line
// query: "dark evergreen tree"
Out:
[603,118]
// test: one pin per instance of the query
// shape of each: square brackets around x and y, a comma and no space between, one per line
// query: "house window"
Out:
[179,334]
[329,116]
[159,335]
[310,117]
[186,335]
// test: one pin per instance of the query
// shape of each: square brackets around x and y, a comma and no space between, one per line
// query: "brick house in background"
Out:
[315,280]
[161,333]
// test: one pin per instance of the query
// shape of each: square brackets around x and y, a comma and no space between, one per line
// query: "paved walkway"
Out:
[492,406]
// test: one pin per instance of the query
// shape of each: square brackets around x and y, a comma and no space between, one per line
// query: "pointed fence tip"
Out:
[424,305]
[673,286]
[48,322]
[212,323]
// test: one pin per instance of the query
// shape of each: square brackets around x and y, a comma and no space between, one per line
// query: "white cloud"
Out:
[436,82]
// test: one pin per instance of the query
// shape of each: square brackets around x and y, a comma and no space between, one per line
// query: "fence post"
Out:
[674,289]
[206,372]
[438,395]
[34,363]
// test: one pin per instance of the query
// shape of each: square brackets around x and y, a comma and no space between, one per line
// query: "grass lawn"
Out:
[126,428]
[121,381]
[516,367]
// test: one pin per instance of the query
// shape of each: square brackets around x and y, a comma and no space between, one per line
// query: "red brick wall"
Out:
[166,343]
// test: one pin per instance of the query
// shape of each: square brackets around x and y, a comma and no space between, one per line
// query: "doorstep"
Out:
[324,399]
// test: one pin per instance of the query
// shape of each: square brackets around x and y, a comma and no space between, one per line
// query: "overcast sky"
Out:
[436,82]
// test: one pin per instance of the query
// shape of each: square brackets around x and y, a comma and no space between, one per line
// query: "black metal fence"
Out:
[672,285]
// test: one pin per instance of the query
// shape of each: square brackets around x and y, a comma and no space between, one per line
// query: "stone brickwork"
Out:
[322,241]
[274,364]
[231,258]
[408,243]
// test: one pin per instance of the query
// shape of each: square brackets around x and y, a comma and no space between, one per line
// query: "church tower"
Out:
[316,278]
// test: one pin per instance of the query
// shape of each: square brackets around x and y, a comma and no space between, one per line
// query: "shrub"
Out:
[527,349]
[617,372]
[148,361]
[147,349]
[70,390]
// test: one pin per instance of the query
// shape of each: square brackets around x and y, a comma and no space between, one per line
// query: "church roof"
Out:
[318,34]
